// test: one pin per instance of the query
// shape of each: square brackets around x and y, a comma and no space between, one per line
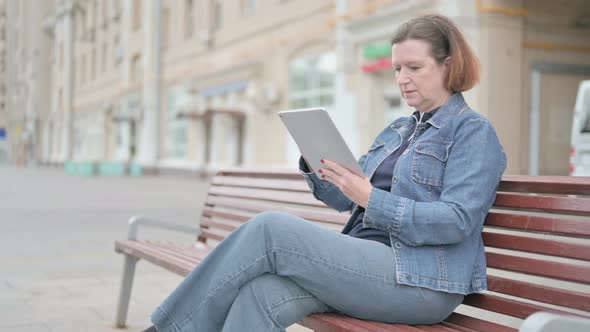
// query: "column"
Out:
[67,25]
[148,153]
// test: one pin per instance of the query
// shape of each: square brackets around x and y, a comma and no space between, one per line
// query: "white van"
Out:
[580,143]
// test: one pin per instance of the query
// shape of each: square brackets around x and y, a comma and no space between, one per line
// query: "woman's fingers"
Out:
[335,167]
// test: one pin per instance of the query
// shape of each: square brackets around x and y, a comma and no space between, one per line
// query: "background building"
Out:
[3,116]
[27,78]
[191,85]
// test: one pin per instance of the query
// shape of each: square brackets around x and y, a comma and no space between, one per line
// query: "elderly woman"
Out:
[412,248]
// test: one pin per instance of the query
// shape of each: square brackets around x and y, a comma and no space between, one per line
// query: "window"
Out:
[165,28]
[248,7]
[83,70]
[103,58]
[136,14]
[312,81]
[217,14]
[59,100]
[586,106]
[189,18]
[105,13]
[80,20]
[136,68]
[61,56]
[94,15]
[176,134]
[93,64]
[118,51]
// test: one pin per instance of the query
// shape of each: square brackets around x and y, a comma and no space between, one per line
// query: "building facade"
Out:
[3,115]
[192,85]
[27,79]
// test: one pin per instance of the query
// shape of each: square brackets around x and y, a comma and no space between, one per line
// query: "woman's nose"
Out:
[402,78]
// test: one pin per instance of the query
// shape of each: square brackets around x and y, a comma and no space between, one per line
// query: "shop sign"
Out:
[377,51]
[380,64]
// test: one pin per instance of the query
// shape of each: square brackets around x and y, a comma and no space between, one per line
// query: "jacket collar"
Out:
[455,105]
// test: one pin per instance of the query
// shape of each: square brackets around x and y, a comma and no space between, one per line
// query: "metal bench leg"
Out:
[125,292]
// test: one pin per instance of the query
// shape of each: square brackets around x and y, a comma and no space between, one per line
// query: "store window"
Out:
[311,85]
[176,134]
[312,81]
[248,7]
[189,18]
[137,11]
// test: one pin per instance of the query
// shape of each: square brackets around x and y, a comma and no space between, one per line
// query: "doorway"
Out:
[553,95]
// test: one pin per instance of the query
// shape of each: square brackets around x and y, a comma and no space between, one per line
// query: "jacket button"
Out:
[406,152]
[394,179]
[398,245]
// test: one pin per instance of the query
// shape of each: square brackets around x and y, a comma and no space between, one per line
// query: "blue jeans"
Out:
[278,268]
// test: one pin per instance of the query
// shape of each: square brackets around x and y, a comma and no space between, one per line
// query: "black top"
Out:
[382,179]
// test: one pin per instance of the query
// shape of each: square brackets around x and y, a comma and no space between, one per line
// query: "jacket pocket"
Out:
[376,145]
[428,163]
[367,157]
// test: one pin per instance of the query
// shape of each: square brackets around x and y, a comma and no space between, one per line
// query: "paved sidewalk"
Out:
[58,269]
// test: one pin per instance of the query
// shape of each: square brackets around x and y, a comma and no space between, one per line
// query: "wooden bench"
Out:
[536,236]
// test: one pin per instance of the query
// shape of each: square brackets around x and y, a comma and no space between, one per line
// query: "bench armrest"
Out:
[547,322]
[136,221]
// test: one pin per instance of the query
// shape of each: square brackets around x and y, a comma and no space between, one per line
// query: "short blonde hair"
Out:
[446,40]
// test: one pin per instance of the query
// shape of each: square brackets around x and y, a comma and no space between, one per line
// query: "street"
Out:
[58,269]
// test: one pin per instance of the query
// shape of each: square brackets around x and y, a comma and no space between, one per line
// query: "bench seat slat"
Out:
[267,195]
[457,327]
[477,324]
[135,249]
[573,205]
[182,253]
[329,323]
[545,294]
[557,270]
[508,306]
[535,245]
[334,322]
[282,184]
[548,224]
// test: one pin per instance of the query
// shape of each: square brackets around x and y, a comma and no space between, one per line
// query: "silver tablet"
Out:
[318,138]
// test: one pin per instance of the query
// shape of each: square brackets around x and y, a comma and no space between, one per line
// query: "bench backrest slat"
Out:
[268,195]
[288,184]
[538,231]
[248,205]
[556,225]
[543,268]
[560,248]
[561,185]
[540,293]
[572,205]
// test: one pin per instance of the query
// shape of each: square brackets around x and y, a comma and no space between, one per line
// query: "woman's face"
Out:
[419,76]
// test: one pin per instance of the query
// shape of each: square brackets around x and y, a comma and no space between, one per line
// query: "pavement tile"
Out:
[34,327]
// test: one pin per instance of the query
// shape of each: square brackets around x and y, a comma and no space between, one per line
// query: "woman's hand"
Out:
[356,188]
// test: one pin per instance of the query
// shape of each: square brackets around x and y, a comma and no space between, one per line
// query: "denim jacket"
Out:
[442,188]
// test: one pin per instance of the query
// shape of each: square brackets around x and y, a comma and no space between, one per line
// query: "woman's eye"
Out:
[396,70]
[414,68]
